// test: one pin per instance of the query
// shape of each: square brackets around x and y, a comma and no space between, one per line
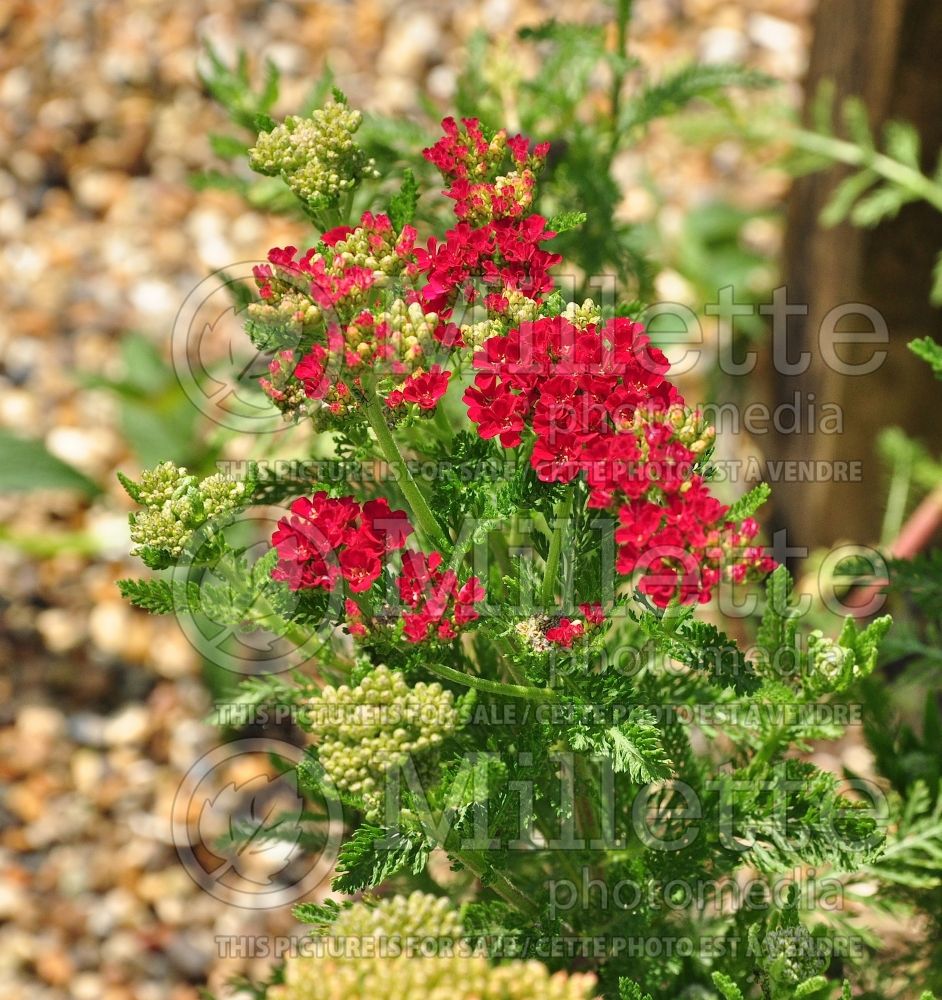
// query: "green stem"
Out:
[427,523]
[498,881]
[618,73]
[769,749]
[495,879]
[910,178]
[490,687]
[674,613]
[896,499]
[563,513]
[501,553]
[441,421]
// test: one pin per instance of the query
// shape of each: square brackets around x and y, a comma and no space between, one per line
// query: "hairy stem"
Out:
[768,750]
[622,21]
[563,513]
[490,687]
[474,861]
[427,523]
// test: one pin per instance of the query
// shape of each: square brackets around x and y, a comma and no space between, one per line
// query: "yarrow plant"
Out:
[511,673]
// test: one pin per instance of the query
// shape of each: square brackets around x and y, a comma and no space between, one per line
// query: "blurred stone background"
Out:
[102,122]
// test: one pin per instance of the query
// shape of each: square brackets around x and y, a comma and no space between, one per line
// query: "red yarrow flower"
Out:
[424,389]
[565,632]
[441,606]
[326,540]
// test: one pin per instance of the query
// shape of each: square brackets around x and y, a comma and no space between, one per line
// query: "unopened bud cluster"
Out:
[282,387]
[794,954]
[689,426]
[368,730]
[374,248]
[514,308]
[317,156]
[584,315]
[176,503]
[414,916]
[409,331]
[411,946]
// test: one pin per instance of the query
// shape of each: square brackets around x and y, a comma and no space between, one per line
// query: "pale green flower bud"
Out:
[317,156]
[411,946]
[175,505]
[368,730]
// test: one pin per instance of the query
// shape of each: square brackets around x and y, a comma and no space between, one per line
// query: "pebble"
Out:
[88,729]
[191,954]
[40,722]
[130,725]
[723,45]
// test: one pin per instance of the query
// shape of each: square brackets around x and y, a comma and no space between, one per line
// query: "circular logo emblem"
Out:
[214,359]
[232,612]
[244,832]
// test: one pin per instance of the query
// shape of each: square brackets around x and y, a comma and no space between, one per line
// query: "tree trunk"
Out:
[888,53]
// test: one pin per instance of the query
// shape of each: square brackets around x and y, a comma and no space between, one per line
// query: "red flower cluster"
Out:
[574,388]
[335,297]
[327,289]
[472,166]
[334,282]
[598,404]
[441,606]
[325,540]
[565,632]
[501,254]
[682,547]
[495,242]
[422,388]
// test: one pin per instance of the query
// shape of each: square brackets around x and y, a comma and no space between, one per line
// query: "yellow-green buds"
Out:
[176,503]
[317,156]
[366,731]
[413,946]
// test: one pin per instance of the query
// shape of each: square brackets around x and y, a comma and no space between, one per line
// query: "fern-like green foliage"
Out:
[231,87]
[628,989]
[747,505]
[701,646]
[727,988]
[318,915]
[403,204]
[797,815]
[266,690]
[633,746]
[930,351]
[676,90]
[912,857]
[159,597]
[821,666]
[373,855]
[887,172]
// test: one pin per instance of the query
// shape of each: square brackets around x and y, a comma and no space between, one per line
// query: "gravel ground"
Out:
[102,120]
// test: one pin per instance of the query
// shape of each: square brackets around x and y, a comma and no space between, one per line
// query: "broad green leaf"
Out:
[26,464]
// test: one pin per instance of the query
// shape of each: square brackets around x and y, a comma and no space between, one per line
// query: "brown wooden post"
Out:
[889,52]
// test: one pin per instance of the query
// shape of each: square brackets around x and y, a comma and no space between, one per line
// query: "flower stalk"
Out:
[428,524]
[561,528]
